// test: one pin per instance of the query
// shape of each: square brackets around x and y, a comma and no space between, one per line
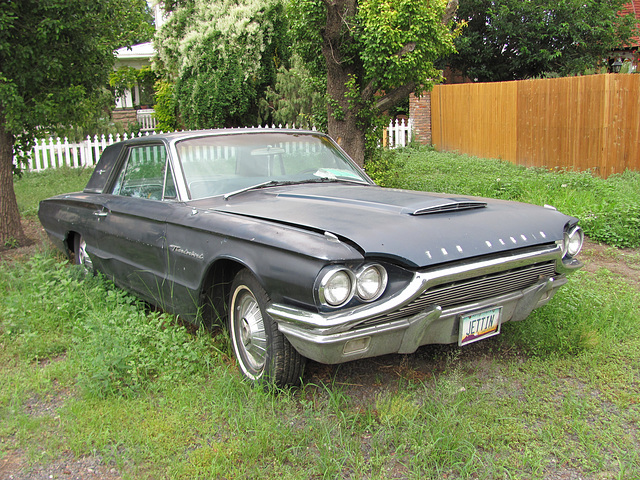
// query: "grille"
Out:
[472,290]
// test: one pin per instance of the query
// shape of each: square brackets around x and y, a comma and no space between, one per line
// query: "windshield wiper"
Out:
[270,183]
[279,183]
[336,180]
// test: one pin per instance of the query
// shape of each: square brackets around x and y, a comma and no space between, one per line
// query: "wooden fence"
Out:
[575,123]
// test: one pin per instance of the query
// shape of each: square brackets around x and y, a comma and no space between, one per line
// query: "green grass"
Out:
[33,187]
[86,369]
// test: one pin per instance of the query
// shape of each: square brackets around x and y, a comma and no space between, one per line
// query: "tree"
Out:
[373,53]
[222,56]
[55,57]
[297,98]
[370,54]
[519,39]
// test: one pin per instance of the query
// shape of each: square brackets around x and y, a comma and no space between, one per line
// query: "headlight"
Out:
[337,287]
[572,243]
[372,280]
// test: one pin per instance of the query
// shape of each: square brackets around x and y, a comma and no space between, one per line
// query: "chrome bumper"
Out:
[343,336]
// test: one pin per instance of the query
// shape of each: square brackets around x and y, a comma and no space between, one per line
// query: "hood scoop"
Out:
[450,206]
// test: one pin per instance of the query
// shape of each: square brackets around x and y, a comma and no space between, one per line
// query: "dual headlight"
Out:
[338,285]
[572,242]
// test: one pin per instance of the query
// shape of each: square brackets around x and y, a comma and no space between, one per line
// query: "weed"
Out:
[11,243]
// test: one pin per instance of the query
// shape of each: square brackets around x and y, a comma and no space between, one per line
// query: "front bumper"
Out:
[411,319]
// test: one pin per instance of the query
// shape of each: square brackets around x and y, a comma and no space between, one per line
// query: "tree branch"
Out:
[450,11]
[394,97]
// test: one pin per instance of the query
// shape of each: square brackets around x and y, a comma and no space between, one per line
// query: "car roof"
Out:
[182,135]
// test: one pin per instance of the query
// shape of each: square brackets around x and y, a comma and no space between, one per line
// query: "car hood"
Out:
[414,228]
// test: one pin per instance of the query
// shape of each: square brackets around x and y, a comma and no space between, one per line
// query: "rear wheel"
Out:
[264,355]
[80,255]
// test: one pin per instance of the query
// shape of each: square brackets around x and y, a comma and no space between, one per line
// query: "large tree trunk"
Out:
[343,123]
[10,227]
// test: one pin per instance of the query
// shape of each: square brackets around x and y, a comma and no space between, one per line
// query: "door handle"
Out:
[100,213]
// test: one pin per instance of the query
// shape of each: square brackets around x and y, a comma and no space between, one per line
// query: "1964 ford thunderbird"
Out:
[280,235]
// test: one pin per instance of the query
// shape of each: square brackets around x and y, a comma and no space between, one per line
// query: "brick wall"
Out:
[420,113]
[124,116]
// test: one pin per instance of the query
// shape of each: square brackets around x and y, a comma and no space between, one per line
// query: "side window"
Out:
[143,174]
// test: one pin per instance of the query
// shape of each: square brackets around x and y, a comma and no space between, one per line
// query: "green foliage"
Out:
[591,312]
[41,89]
[373,54]
[33,187]
[399,41]
[125,78]
[297,98]
[122,348]
[223,55]
[131,350]
[512,39]
[382,168]
[90,128]
[165,107]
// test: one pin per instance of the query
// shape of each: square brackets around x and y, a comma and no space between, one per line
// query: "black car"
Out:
[281,236]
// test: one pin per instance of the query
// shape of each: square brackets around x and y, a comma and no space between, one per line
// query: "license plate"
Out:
[479,325]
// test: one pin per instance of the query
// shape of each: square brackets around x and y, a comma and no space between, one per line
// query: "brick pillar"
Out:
[420,113]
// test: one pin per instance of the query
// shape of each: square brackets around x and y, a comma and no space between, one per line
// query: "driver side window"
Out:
[143,174]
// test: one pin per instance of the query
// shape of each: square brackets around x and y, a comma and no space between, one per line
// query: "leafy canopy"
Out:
[390,43]
[222,55]
[55,56]
[516,39]
[373,54]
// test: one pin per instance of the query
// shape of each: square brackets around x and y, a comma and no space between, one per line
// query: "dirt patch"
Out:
[35,239]
[624,262]
[13,467]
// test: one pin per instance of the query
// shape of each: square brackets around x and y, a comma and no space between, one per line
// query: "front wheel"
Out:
[264,355]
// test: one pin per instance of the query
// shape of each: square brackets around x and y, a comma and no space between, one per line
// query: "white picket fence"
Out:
[147,119]
[55,153]
[398,133]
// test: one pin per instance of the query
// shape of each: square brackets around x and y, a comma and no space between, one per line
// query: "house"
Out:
[136,101]
[629,55]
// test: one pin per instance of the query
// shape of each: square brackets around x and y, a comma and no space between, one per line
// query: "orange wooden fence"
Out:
[575,123]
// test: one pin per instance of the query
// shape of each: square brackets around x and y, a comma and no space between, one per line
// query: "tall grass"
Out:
[85,368]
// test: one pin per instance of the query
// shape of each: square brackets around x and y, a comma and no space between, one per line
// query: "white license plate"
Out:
[479,325]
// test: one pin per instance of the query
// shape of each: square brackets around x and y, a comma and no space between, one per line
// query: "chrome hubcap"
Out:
[249,332]
[83,256]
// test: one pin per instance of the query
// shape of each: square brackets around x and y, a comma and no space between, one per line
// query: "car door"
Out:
[132,222]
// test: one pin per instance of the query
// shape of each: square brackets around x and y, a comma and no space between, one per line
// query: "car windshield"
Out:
[224,164]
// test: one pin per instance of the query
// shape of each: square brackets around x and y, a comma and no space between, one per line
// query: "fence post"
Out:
[67,153]
[96,150]
[74,152]
[36,156]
